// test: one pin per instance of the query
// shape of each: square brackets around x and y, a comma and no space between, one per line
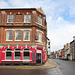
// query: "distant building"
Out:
[48,47]
[72,48]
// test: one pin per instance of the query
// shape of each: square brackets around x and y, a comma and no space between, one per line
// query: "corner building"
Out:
[23,34]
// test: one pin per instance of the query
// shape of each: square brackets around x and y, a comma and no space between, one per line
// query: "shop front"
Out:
[22,55]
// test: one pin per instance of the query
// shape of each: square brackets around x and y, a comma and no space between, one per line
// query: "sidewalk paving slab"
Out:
[48,65]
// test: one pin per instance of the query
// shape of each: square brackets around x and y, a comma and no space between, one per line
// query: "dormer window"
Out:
[10,18]
[27,18]
[39,20]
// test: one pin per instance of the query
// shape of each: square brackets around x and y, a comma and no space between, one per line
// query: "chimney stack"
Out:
[73,37]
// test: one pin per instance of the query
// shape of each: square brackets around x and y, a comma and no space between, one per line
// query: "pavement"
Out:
[48,65]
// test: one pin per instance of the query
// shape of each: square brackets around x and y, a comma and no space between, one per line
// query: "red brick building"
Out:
[23,34]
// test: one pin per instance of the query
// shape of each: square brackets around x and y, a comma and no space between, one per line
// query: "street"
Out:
[66,67]
[53,71]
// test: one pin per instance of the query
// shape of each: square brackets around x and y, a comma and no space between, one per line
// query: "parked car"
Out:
[62,58]
[65,58]
[59,57]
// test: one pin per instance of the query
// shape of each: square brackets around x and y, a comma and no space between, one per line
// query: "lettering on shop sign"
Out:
[38,51]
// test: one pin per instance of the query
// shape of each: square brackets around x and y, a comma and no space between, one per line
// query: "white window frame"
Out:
[39,37]
[27,19]
[26,51]
[17,51]
[15,35]
[8,35]
[9,51]
[24,37]
[39,19]
[7,18]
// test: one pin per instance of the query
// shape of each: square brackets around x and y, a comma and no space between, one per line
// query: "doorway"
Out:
[38,58]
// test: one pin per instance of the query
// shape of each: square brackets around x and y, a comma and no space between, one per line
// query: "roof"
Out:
[18,8]
[38,9]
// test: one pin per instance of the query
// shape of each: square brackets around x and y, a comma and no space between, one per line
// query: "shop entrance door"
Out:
[38,58]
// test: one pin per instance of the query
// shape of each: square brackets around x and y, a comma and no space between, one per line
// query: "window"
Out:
[18,35]
[26,35]
[33,57]
[39,20]
[27,18]
[10,18]
[26,54]
[39,36]
[8,54]
[9,35]
[17,53]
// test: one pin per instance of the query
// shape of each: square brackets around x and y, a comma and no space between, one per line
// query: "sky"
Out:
[60,17]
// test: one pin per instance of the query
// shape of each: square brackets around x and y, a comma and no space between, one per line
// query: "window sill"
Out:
[10,22]
[17,60]
[39,41]
[27,22]
[9,40]
[39,24]
[17,40]
[26,40]
[18,22]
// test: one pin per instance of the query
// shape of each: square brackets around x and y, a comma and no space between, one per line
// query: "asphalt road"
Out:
[54,71]
[65,66]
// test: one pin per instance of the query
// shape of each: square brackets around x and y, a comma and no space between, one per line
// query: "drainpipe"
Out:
[41,57]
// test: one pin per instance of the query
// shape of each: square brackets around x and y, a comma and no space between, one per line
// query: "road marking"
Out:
[57,67]
[59,70]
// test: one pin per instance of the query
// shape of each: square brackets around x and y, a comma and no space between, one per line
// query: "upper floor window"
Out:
[18,35]
[39,36]
[9,35]
[27,18]
[10,18]
[26,36]
[39,20]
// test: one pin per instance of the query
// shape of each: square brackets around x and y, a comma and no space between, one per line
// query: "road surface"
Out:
[65,66]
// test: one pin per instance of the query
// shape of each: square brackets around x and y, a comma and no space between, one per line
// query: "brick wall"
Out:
[19,21]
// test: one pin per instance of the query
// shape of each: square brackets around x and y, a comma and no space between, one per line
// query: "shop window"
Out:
[17,53]
[33,57]
[8,54]
[26,54]
[43,57]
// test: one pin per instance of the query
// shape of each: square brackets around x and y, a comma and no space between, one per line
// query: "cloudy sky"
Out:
[60,15]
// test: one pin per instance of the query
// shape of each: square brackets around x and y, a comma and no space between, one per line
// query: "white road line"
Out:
[59,70]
